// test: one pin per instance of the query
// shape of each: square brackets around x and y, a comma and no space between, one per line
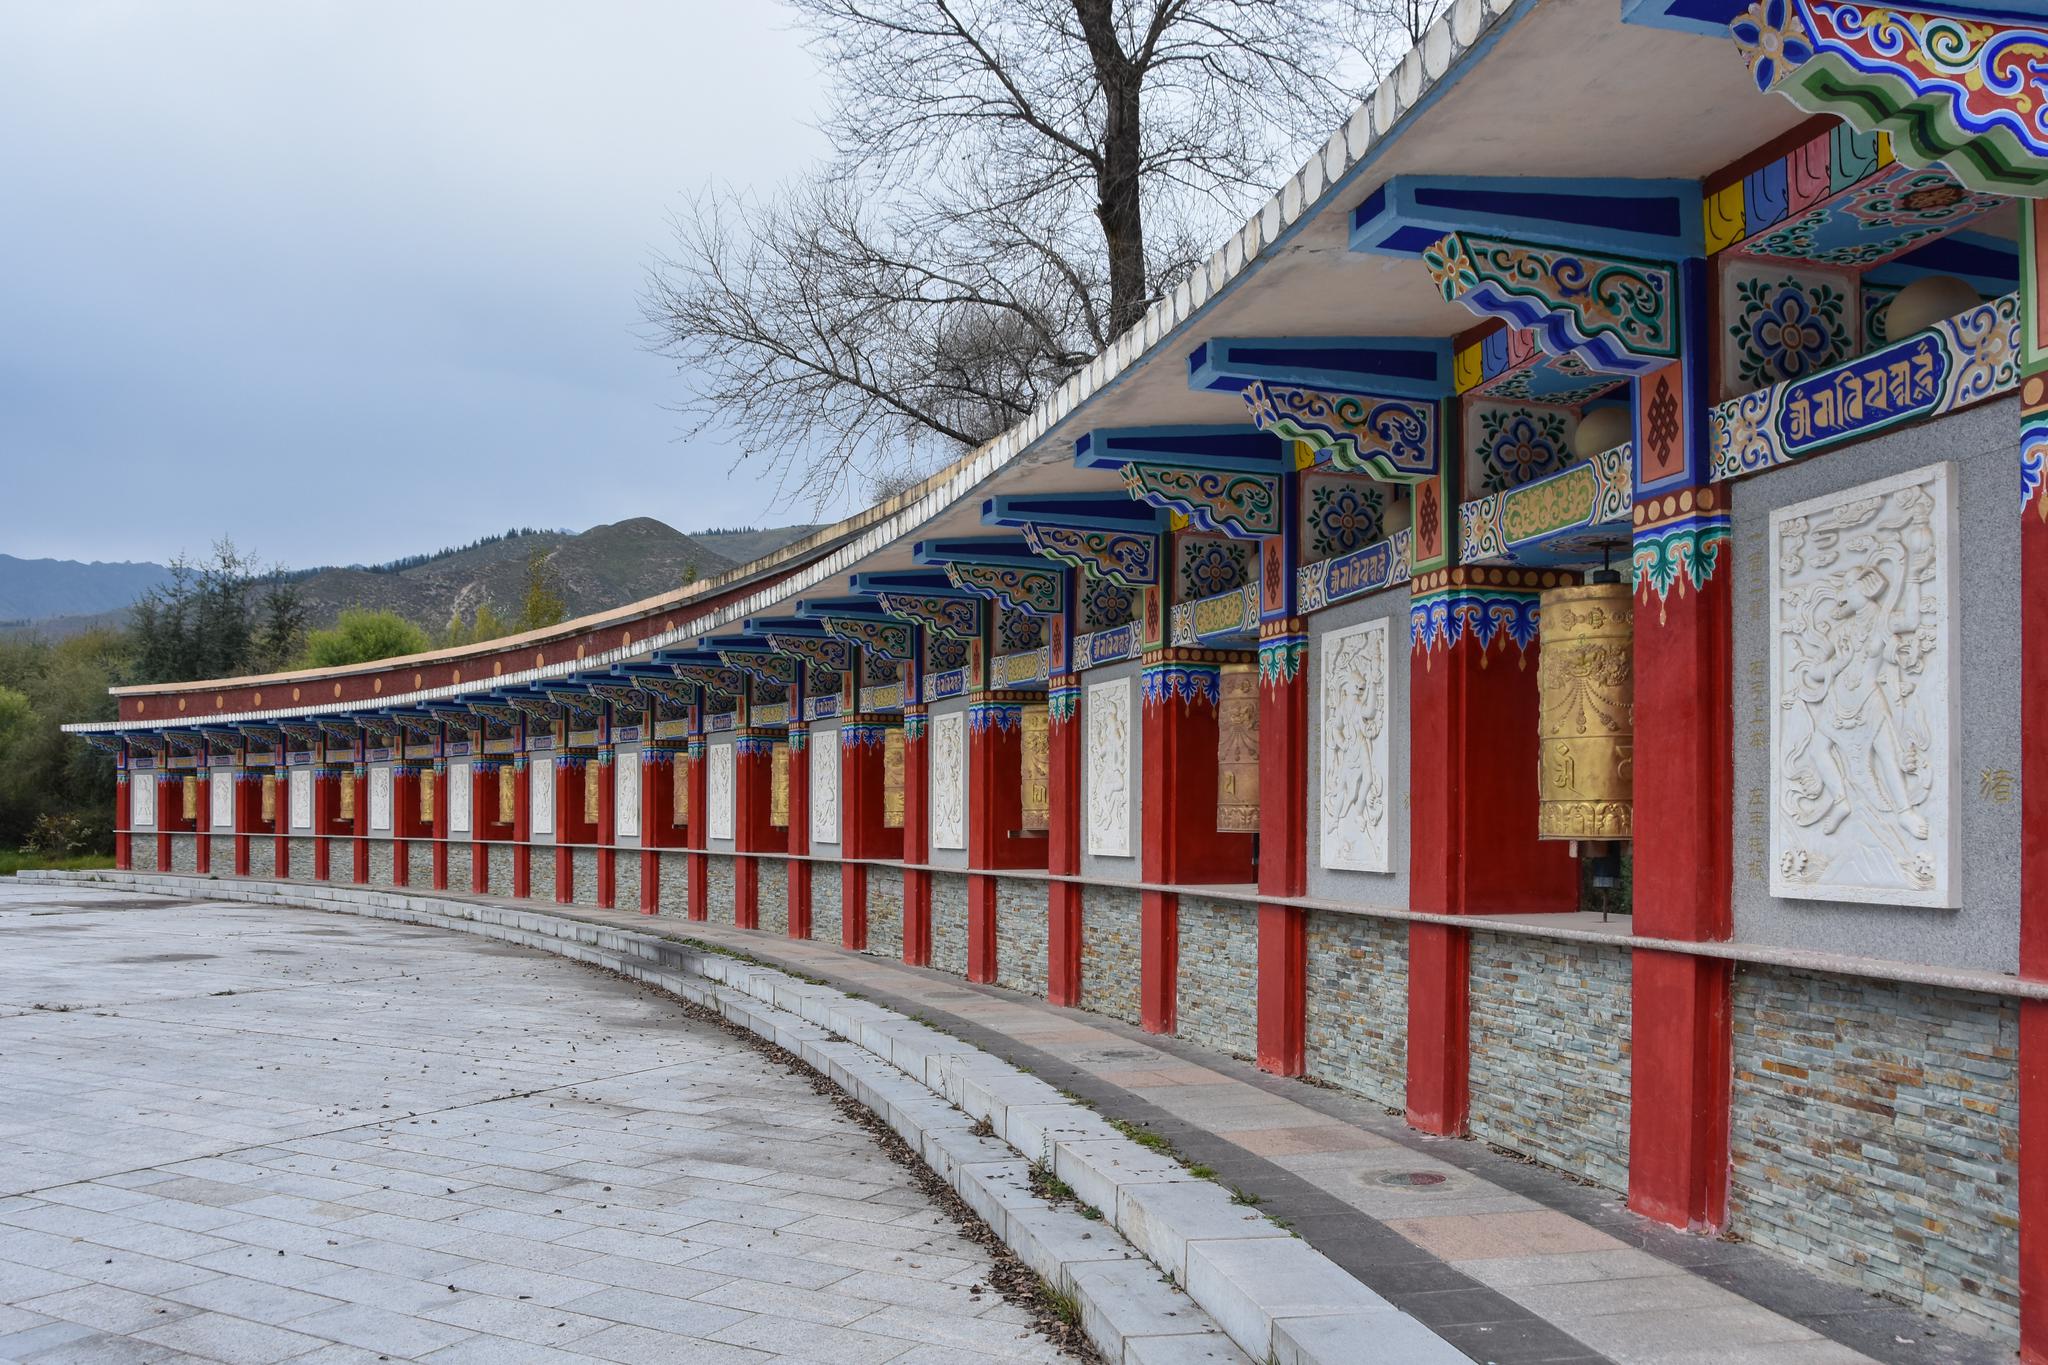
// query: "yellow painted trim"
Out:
[1726,217]
[1467,368]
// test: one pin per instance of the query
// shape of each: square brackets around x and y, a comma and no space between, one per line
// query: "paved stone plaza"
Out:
[244,1133]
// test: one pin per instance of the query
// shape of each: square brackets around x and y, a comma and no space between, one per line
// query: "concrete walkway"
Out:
[253,1133]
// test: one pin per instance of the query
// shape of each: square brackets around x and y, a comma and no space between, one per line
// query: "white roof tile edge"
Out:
[1447,40]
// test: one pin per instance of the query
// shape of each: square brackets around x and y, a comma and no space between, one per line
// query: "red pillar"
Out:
[282,827]
[1472,808]
[124,857]
[753,777]
[657,814]
[438,859]
[522,825]
[202,823]
[917,839]
[798,877]
[483,810]
[248,806]
[568,813]
[700,824]
[169,788]
[1283,846]
[607,825]
[861,831]
[2033,1058]
[1063,841]
[323,806]
[359,843]
[405,805]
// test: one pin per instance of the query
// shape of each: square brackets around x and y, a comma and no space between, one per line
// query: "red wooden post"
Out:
[607,825]
[1472,808]
[281,824]
[917,837]
[123,853]
[1063,841]
[2033,1058]
[1283,845]
[202,823]
[568,816]
[405,797]
[753,832]
[439,856]
[169,788]
[483,819]
[798,877]
[359,841]
[522,825]
[657,816]
[248,791]
[700,823]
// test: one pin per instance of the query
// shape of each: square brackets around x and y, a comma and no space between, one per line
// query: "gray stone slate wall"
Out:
[827,895]
[1550,1052]
[885,912]
[380,862]
[1218,978]
[542,873]
[626,880]
[1876,1136]
[184,853]
[1020,935]
[582,876]
[224,856]
[1358,1005]
[774,896]
[419,865]
[675,884]
[949,922]
[302,860]
[341,861]
[1109,952]
[499,869]
[720,897]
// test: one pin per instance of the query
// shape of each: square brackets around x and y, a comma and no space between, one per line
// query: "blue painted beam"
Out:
[1377,367]
[1237,449]
[1006,550]
[1710,18]
[824,608]
[1654,219]
[1074,512]
[1991,265]
[927,583]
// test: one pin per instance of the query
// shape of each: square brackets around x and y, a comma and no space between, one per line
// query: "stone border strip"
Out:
[1278,1299]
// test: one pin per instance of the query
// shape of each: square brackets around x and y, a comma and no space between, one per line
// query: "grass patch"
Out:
[13,860]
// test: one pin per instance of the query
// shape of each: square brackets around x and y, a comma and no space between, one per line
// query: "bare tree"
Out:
[1014,183]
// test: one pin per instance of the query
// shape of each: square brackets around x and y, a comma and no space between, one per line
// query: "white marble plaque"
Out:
[540,794]
[626,795]
[1107,769]
[718,783]
[302,798]
[458,780]
[1863,697]
[380,799]
[948,757]
[1353,663]
[824,753]
[141,799]
[221,789]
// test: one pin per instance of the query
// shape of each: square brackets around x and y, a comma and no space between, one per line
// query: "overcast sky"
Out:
[355,280]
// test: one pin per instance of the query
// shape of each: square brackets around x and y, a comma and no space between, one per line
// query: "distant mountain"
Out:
[743,545]
[33,588]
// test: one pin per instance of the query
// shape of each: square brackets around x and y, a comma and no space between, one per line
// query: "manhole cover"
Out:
[1412,1178]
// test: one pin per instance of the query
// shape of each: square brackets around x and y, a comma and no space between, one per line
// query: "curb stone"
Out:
[1252,1284]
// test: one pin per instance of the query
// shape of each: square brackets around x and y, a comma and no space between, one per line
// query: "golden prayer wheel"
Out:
[1586,721]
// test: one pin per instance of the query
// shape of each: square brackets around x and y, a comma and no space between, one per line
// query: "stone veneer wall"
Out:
[1110,952]
[582,877]
[541,873]
[721,901]
[302,859]
[827,895]
[773,898]
[1217,982]
[498,869]
[224,856]
[341,861]
[1358,1005]
[1020,935]
[949,922]
[626,880]
[380,862]
[675,884]
[419,865]
[184,853]
[1876,1136]
[885,912]
[1550,1052]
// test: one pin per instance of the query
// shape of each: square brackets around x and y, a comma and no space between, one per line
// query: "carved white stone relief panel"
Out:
[949,780]
[458,798]
[142,799]
[1354,748]
[1863,698]
[1108,768]
[824,753]
[540,794]
[302,798]
[718,780]
[626,795]
[380,799]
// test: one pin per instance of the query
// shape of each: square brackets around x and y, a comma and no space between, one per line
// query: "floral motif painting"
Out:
[1784,326]
[1342,515]
[1513,445]
[1208,567]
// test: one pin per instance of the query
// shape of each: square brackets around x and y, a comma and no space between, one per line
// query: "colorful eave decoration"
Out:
[953,618]
[776,670]
[1619,316]
[1240,505]
[1395,439]
[581,706]
[1036,591]
[1509,525]
[1968,94]
[1120,556]
[820,651]
[886,639]
[712,677]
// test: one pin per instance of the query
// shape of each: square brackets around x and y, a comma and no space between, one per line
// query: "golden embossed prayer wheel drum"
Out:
[1586,722]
